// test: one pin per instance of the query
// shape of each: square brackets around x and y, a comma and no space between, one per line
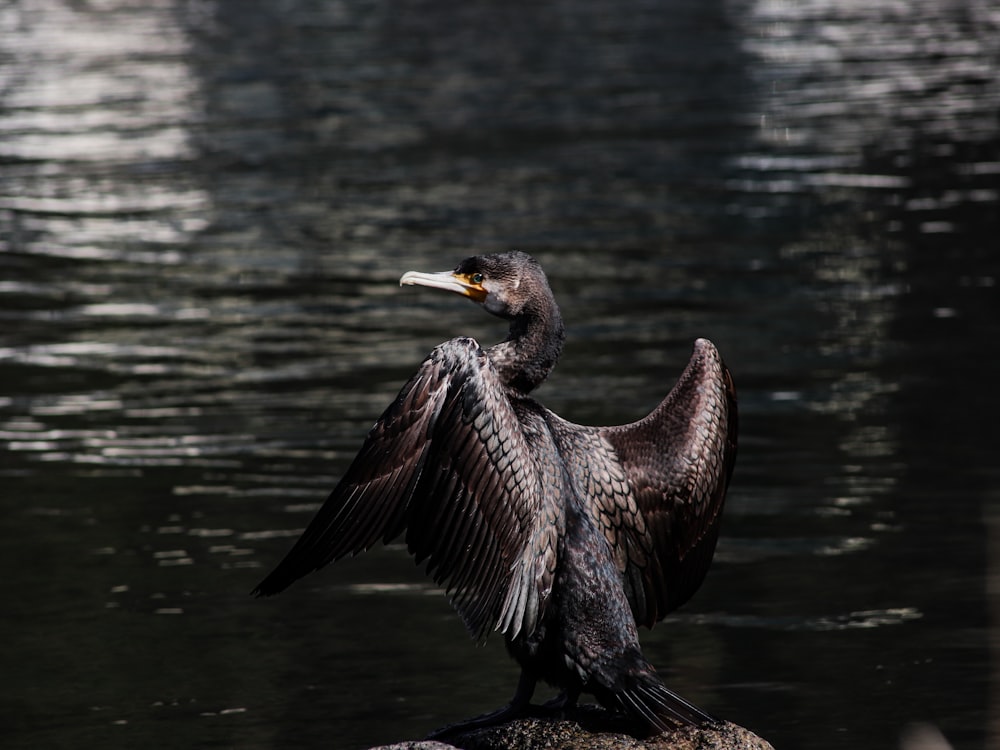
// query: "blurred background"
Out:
[205,206]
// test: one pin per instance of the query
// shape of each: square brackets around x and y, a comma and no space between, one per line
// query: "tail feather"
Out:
[633,705]
[658,706]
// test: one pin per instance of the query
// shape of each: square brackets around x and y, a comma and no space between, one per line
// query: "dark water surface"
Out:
[204,210]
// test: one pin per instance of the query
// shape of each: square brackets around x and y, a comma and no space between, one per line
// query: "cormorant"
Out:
[560,536]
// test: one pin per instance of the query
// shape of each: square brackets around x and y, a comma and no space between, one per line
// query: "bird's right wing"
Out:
[677,462]
[449,462]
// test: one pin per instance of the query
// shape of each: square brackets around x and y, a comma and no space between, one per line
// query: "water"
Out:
[204,210]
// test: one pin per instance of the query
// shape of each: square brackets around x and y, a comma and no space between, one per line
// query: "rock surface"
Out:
[590,730]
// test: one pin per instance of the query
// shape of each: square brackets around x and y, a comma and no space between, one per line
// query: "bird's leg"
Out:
[564,702]
[520,705]
[525,689]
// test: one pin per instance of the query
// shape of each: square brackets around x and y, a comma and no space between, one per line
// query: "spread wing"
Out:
[676,463]
[449,462]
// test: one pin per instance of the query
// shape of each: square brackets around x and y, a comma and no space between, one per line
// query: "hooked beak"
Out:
[447,280]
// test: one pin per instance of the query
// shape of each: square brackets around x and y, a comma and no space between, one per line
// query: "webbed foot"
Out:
[491,719]
[519,706]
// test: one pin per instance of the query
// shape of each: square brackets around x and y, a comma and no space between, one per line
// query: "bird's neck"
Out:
[526,357]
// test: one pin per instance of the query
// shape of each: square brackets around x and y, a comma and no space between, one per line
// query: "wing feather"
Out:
[678,461]
[448,461]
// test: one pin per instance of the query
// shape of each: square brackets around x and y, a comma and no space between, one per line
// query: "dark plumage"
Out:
[560,536]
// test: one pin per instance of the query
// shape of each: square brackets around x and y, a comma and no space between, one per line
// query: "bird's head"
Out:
[505,284]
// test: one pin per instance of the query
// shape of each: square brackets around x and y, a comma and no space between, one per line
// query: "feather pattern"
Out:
[447,462]
[560,536]
[678,461]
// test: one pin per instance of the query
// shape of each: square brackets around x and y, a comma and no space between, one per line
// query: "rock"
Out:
[589,729]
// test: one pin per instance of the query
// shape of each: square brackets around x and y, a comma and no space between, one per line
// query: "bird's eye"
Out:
[477,278]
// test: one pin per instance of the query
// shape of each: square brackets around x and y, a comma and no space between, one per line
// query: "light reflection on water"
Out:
[204,212]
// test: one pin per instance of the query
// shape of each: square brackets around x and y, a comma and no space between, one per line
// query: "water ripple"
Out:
[864,619]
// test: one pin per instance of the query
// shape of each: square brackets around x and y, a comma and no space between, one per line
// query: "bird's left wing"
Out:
[448,462]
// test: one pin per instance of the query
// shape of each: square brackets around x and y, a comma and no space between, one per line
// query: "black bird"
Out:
[561,537]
